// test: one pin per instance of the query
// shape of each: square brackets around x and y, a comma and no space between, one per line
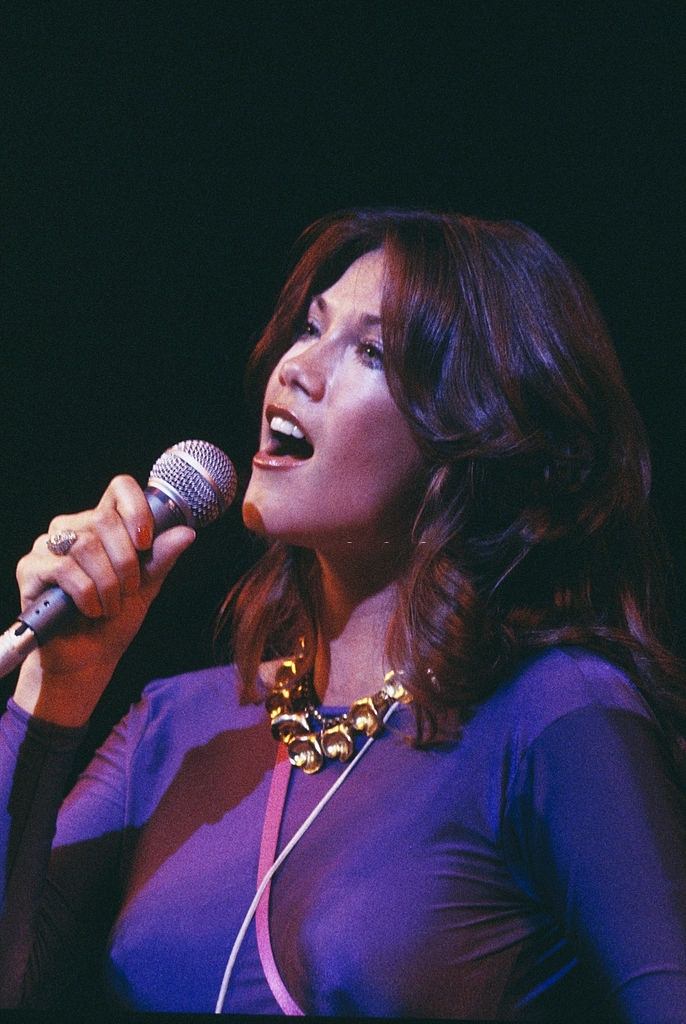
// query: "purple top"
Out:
[534,869]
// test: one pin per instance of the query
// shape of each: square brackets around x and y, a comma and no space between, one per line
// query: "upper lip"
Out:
[278,410]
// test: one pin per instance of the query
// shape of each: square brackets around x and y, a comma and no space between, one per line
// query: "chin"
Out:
[272,527]
[252,519]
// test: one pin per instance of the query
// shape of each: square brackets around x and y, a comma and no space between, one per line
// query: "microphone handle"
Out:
[39,622]
[53,609]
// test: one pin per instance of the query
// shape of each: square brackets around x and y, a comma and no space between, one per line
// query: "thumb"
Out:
[166,549]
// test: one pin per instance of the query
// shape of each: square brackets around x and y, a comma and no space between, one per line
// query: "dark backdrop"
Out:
[159,160]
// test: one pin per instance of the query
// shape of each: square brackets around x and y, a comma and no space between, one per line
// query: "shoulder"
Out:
[590,794]
[193,689]
[192,707]
[559,682]
[187,732]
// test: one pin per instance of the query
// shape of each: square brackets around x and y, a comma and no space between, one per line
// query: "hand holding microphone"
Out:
[73,633]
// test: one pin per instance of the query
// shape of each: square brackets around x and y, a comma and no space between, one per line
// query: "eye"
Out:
[310,330]
[371,354]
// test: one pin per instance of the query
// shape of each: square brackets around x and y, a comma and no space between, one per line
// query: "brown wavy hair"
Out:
[535,527]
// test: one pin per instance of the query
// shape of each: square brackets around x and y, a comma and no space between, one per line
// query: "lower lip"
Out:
[263,460]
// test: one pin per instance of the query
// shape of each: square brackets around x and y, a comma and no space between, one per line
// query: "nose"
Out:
[304,370]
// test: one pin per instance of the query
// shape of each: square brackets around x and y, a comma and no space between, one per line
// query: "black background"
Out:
[160,159]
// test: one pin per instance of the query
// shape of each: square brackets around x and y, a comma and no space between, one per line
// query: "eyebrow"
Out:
[368,319]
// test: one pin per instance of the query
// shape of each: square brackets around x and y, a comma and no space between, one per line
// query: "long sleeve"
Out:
[57,893]
[139,875]
[596,829]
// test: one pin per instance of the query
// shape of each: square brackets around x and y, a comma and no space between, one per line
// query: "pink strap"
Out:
[270,838]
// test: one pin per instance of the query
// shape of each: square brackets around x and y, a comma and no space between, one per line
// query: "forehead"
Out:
[360,287]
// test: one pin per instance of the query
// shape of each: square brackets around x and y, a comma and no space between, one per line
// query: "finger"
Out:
[103,549]
[126,496]
[116,545]
[124,523]
[105,552]
[88,552]
[36,572]
[167,548]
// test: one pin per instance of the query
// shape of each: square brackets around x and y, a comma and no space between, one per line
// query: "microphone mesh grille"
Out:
[209,492]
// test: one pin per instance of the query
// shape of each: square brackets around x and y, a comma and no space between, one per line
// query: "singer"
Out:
[451,718]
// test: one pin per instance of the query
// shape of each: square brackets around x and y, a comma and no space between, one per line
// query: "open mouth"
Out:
[287,439]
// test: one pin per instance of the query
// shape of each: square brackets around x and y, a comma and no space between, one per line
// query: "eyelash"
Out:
[367,352]
[370,354]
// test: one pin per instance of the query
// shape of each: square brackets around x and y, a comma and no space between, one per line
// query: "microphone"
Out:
[191,484]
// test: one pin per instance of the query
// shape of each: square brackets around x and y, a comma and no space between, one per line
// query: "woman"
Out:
[458,599]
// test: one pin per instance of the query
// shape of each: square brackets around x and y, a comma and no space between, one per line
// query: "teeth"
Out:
[282,426]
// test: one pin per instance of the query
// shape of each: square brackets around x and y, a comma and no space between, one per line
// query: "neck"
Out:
[355,605]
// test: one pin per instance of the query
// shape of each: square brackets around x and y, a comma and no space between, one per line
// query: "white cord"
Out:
[279,861]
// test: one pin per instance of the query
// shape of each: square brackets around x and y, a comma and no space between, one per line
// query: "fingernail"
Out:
[144,537]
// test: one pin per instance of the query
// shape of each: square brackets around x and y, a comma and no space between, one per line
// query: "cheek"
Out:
[381,450]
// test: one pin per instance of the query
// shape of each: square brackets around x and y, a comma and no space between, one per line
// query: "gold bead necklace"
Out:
[311,736]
